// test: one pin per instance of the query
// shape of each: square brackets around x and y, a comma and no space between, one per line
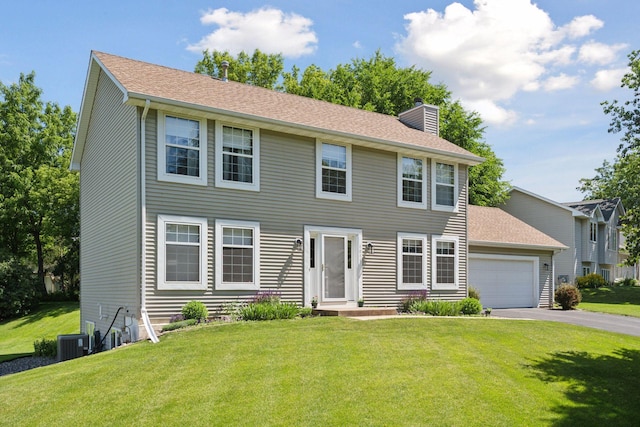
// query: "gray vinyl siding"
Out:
[424,118]
[552,220]
[545,276]
[286,204]
[109,236]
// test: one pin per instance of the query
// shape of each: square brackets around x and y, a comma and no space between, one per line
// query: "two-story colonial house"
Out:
[590,229]
[196,188]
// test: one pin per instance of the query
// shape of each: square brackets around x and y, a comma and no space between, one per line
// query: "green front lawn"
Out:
[49,321]
[614,300]
[338,372]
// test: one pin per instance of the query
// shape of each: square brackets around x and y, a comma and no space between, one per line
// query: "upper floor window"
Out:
[237,157]
[182,249]
[593,232]
[412,185]
[445,186]
[333,171]
[412,261]
[182,149]
[237,255]
[444,262]
[613,239]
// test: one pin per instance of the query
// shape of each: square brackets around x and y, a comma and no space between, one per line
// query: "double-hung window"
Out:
[237,157]
[182,253]
[182,149]
[444,262]
[593,232]
[444,186]
[237,255]
[412,185]
[333,171]
[412,261]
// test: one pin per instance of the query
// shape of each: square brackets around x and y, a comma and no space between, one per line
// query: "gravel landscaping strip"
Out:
[24,364]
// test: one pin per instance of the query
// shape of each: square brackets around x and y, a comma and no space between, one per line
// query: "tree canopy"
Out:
[38,193]
[375,84]
[621,178]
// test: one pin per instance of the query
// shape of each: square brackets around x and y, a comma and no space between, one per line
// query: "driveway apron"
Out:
[608,322]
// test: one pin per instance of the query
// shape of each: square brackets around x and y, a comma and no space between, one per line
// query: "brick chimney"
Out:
[423,117]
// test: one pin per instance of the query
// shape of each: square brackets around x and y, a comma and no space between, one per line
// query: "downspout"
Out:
[143,226]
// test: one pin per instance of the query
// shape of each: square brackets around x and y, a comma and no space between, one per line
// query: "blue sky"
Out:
[537,72]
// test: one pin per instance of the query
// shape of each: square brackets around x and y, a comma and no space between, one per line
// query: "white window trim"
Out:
[200,285]
[162,153]
[219,172]
[325,194]
[593,232]
[412,286]
[255,226]
[406,204]
[434,264]
[434,204]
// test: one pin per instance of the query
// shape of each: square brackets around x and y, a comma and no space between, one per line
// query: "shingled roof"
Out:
[140,81]
[495,227]
[607,206]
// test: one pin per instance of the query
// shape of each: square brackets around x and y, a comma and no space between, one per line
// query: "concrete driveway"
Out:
[608,322]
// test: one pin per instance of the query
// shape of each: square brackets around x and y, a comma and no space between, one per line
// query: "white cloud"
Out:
[608,79]
[599,53]
[581,26]
[357,44]
[268,29]
[494,51]
[560,82]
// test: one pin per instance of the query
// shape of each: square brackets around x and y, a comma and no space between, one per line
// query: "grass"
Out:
[614,300]
[49,321]
[336,372]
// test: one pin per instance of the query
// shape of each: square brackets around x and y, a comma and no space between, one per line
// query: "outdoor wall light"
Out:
[546,266]
[298,243]
[370,247]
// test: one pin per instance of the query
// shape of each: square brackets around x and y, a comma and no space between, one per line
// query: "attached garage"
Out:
[510,262]
[505,281]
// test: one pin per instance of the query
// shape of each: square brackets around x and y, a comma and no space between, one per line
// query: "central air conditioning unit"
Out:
[72,346]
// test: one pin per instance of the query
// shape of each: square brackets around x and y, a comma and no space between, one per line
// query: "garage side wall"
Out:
[545,268]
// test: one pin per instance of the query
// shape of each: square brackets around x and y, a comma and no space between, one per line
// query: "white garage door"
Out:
[504,281]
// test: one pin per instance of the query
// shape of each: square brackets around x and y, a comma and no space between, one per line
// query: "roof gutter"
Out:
[514,245]
[136,99]
[143,229]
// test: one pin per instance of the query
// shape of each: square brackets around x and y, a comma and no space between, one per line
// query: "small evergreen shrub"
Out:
[470,306]
[592,280]
[45,348]
[474,293]
[179,324]
[568,296]
[195,310]
[414,297]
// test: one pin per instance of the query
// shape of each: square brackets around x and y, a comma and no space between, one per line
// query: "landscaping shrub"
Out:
[269,311]
[18,295]
[474,293]
[568,296]
[195,310]
[408,301]
[179,324]
[305,312]
[470,306]
[176,318]
[592,280]
[266,297]
[627,281]
[436,308]
[45,348]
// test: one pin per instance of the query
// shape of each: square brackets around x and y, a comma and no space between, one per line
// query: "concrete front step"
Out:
[355,311]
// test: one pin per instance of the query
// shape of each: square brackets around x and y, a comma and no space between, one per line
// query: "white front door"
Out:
[333,265]
[335,251]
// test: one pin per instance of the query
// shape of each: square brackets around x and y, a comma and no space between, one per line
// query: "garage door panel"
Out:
[503,282]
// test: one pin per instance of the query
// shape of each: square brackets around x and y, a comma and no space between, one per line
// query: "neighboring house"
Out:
[511,263]
[590,230]
[603,244]
[195,188]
